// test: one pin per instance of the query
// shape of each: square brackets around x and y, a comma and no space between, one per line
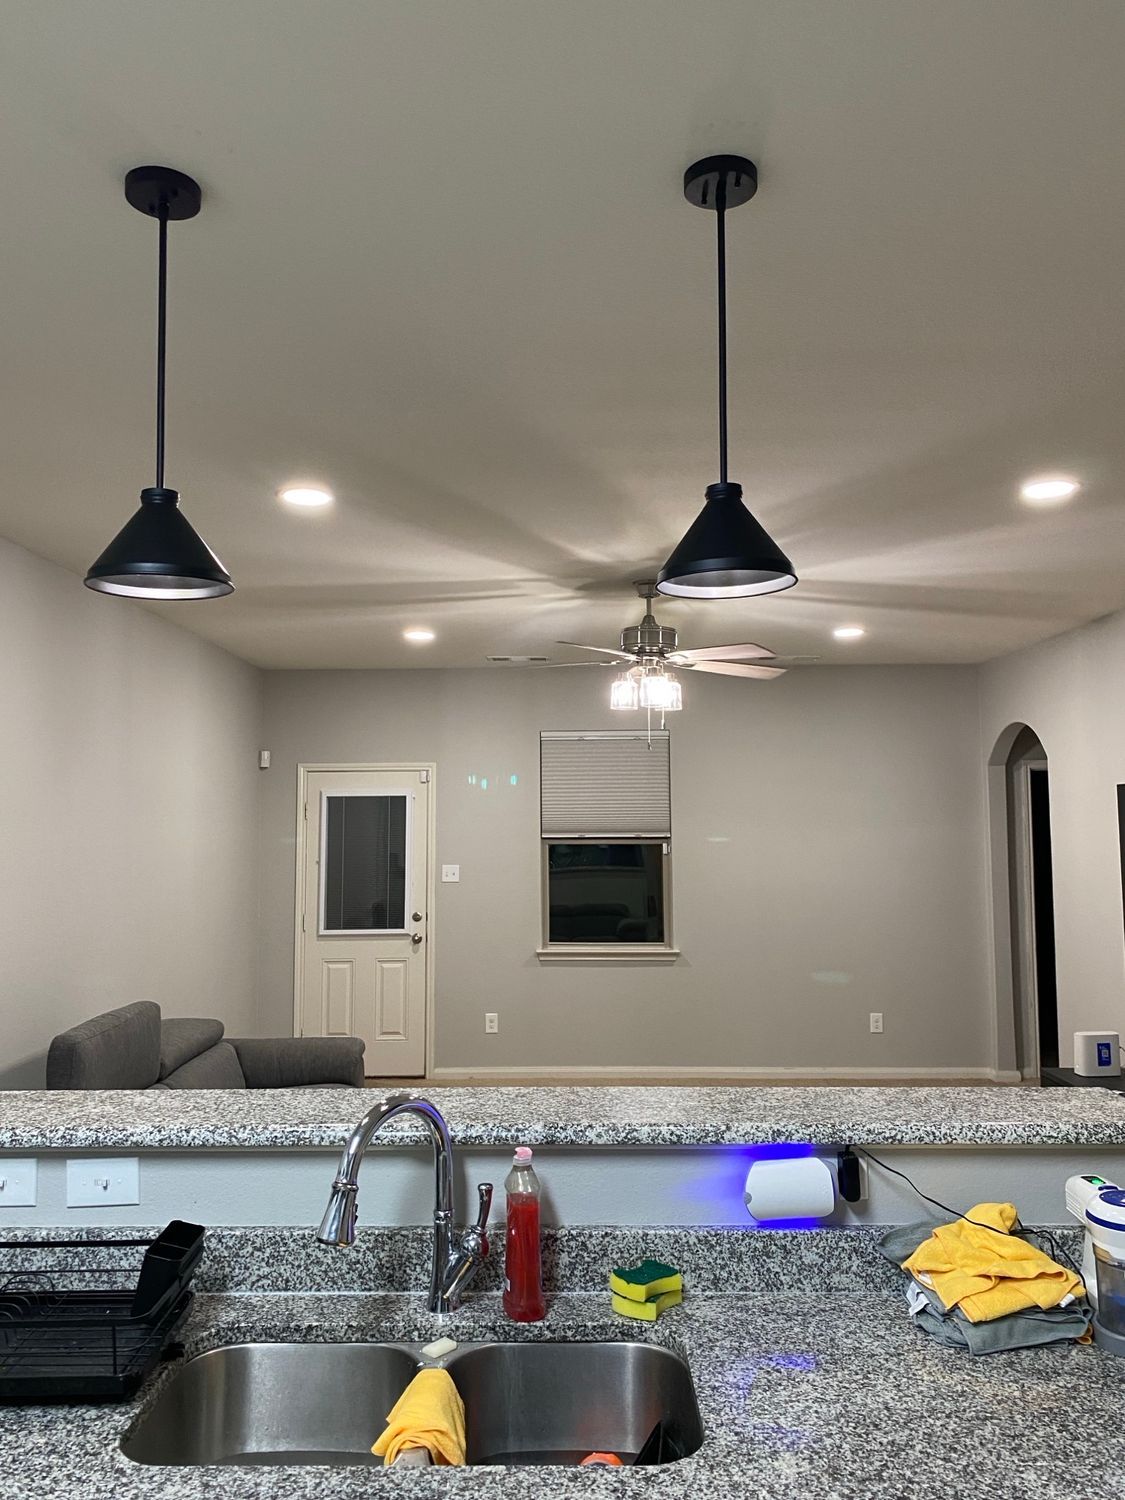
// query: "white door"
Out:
[363,929]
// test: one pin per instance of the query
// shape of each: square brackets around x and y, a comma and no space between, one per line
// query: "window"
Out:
[363,858]
[606,837]
[605,893]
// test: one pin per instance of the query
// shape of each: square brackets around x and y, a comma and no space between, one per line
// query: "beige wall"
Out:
[128,856]
[829,860]
[1071,691]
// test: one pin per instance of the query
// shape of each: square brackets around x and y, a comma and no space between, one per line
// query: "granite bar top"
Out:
[814,1393]
[267,1119]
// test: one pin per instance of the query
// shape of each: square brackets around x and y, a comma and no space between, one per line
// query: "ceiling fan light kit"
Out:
[158,554]
[725,553]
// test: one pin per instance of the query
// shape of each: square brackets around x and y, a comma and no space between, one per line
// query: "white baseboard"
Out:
[598,1073]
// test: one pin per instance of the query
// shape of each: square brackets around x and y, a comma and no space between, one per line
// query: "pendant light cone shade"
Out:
[158,554]
[726,553]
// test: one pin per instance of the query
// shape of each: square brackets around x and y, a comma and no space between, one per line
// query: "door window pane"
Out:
[363,863]
[605,893]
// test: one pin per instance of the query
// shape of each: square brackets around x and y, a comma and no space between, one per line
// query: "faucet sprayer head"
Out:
[339,1222]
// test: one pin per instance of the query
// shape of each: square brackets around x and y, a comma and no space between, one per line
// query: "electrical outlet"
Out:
[103,1183]
[876,1021]
[450,874]
[17,1182]
[491,1022]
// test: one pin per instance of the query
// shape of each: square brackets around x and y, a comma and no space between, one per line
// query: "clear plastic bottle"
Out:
[523,1261]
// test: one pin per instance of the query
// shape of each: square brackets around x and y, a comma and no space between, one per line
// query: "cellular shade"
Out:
[605,785]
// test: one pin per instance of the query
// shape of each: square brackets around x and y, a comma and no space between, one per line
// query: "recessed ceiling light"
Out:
[420,635]
[849,632]
[1048,488]
[306,497]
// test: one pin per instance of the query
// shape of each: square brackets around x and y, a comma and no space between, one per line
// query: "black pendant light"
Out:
[158,554]
[726,553]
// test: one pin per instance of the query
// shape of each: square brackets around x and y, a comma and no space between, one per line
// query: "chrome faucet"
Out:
[458,1255]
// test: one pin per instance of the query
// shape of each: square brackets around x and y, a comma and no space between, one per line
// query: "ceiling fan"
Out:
[653,644]
[649,648]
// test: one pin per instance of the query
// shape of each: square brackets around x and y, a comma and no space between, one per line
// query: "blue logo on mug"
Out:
[1105,1055]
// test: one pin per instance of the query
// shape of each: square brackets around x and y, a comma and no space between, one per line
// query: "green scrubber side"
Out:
[652,1278]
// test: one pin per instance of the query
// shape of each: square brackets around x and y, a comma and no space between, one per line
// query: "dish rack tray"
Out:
[86,1320]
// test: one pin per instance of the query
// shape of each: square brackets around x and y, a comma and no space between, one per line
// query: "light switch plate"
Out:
[450,873]
[103,1183]
[18,1182]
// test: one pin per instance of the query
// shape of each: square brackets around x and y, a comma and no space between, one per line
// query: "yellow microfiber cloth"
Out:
[987,1271]
[429,1414]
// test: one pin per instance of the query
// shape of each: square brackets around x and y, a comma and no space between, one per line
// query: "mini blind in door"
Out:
[605,785]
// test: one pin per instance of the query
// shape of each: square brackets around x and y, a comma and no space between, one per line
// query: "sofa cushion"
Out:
[185,1037]
[117,1050]
[300,1062]
[217,1068]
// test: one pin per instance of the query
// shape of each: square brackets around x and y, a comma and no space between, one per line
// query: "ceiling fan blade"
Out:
[601,650]
[578,664]
[736,669]
[747,652]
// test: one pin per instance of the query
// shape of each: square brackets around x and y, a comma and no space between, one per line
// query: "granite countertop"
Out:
[160,1119]
[811,1380]
[823,1395]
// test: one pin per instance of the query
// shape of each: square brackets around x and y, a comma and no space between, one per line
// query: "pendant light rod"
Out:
[721,258]
[161,338]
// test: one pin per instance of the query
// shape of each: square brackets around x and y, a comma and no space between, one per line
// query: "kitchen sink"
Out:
[552,1403]
[544,1402]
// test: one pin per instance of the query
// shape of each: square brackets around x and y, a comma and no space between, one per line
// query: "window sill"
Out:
[613,953]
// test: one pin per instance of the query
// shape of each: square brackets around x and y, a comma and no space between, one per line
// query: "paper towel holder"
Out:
[788,1188]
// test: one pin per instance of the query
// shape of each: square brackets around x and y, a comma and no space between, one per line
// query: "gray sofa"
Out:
[134,1048]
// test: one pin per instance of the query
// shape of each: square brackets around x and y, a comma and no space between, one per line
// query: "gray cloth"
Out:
[185,1037]
[117,1050]
[1021,1330]
[293,1062]
[217,1068]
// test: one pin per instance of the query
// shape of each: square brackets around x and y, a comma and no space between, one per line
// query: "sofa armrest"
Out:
[294,1062]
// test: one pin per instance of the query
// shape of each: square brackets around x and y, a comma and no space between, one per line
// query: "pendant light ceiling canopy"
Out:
[725,553]
[158,554]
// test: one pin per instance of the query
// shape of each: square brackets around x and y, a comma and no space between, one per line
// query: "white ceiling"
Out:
[444,265]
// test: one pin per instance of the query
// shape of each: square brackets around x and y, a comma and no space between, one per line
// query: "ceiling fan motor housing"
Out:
[648,639]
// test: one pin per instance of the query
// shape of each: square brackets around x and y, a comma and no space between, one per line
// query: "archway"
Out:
[1027,1036]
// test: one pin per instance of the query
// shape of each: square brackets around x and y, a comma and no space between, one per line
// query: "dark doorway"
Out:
[1031,907]
[1043,909]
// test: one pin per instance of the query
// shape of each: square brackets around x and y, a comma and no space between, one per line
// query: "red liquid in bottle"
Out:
[523,1284]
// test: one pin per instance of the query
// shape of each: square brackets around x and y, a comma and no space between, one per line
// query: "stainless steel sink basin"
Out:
[553,1403]
[274,1404]
[525,1403]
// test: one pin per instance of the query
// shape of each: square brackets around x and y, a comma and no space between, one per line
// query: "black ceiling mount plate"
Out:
[146,188]
[702,178]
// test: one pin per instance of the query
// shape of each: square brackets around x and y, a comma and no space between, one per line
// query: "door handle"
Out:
[416,939]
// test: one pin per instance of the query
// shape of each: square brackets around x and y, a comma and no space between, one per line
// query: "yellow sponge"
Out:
[649,1311]
[652,1278]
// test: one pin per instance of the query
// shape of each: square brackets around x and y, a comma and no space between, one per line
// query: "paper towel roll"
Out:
[790,1187]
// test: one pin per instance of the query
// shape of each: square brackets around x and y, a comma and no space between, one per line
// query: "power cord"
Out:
[1020,1231]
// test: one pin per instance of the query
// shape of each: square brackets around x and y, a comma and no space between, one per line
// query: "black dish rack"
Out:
[79,1321]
